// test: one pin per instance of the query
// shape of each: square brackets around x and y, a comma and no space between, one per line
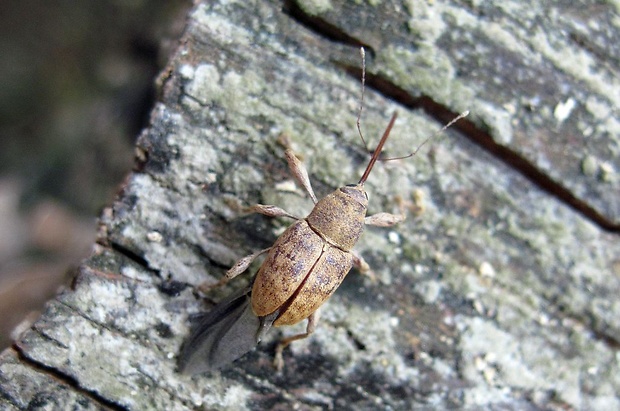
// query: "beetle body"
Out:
[311,258]
[301,271]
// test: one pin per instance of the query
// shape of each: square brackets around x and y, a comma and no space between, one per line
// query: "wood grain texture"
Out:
[500,290]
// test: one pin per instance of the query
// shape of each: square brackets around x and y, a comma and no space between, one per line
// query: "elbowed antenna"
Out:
[386,134]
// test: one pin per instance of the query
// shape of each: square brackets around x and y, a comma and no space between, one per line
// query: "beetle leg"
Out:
[296,166]
[239,267]
[362,266]
[271,211]
[384,219]
[300,173]
[313,320]
[243,264]
[388,219]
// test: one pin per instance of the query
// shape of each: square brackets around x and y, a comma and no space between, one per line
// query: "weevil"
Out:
[301,271]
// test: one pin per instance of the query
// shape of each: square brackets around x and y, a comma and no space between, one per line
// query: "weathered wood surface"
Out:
[500,291]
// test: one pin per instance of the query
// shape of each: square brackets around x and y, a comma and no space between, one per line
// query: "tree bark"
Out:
[499,291]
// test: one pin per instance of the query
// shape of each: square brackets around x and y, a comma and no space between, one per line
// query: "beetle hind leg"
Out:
[238,268]
[313,320]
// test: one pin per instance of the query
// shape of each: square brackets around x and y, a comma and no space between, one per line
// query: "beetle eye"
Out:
[351,185]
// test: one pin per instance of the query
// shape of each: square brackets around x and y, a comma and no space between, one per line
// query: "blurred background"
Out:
[76,88]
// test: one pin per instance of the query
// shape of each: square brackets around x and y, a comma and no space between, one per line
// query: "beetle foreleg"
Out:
[388,219]
[384,219]
[313,320]
[300,173]
[296,166]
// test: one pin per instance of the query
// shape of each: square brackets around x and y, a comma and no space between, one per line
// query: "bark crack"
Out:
[442,114]
[504,154]
[67,380]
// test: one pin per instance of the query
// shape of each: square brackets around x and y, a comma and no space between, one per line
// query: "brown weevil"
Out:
[301,271]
